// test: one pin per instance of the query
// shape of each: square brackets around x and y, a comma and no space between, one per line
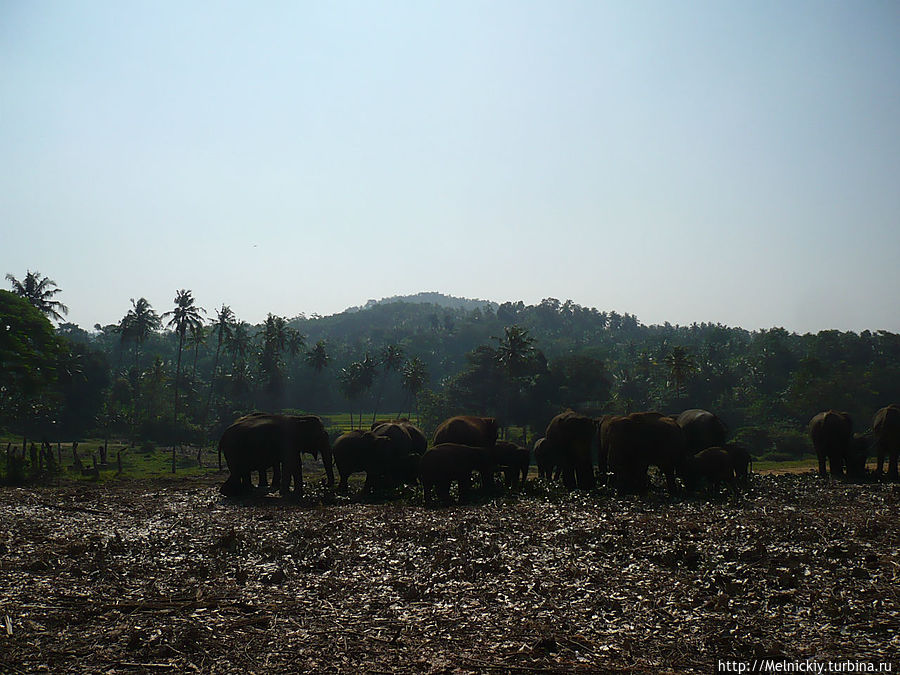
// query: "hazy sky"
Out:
[734,162]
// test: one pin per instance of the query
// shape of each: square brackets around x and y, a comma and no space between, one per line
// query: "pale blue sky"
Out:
[734,162]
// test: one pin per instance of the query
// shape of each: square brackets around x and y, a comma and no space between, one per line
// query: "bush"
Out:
[778,456]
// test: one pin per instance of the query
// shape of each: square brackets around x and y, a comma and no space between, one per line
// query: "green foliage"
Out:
[520,363]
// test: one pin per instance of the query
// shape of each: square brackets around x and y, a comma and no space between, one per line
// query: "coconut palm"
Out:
[223,329]
[185,316]
[39,291]
[197,335]
[275,335]
[680,364]
[317,358]
[515,350]
[350,385]
[138,324]
[391,360]
[238,342]
[414,376]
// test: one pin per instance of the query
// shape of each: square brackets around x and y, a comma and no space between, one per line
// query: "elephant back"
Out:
[831,429]
[467,430]
[702,429]
[887,422]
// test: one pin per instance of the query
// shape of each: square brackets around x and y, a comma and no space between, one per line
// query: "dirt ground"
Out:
[166,576]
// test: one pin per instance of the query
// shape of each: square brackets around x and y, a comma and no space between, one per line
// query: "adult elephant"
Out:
[702,429]
[259,441]
[448,462]
[570,436]
[886,429]
[831,432]
[478,432]
[419,442]
[640,440]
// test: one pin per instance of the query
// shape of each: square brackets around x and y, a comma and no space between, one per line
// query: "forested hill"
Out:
[431,298]
[521,363]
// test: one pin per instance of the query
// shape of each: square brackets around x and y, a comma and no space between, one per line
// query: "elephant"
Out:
[741,461]
[570,436]
[886,429]
[447,462]
[513,460]
[639,440]
[419,442]
[259,441]
[360,451]
[702,429]
[479,432]
[547,462]
[831,433]
[401,441]
[713,466]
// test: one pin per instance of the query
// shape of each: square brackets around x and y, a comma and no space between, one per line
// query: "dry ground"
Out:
[166,576]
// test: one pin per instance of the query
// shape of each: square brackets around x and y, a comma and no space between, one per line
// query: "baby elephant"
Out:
[449,462]
[712,466]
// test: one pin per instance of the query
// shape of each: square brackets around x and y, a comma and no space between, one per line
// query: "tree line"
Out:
[182,375]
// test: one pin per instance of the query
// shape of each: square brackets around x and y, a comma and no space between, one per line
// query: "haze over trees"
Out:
[185,381]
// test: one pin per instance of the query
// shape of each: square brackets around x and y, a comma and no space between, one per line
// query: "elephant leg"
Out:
[292,472]
[568,476]
[443,491]
[837,465]
[342,485]
[880,464]
[670,481]
[584,474]
[822,471]
[263,479]
[465,486]
[369,485]
[892,466]
[276,476]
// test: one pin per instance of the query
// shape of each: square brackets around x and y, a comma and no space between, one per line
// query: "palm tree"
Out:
[350,385]
[223,328]
[414,376]
[317,358]
[197,335]
[367,369]
[391,360]
[185,316]
[296,341]
[137,325]
[515,351]
[680,364]
[238,342]
[275,334]
[39,290]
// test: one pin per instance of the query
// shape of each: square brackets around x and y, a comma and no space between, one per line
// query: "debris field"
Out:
[168,576]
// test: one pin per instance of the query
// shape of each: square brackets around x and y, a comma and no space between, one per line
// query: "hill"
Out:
[431,298]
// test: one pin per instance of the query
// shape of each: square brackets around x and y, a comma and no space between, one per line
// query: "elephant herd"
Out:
[692,446]
[844,451]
